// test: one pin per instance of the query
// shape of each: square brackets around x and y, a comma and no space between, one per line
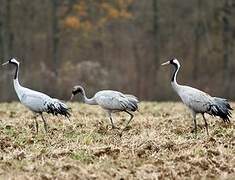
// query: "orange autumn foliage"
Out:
[113,13]
[90,15]
[72,22]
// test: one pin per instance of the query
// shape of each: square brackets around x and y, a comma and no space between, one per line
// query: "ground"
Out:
[157,145]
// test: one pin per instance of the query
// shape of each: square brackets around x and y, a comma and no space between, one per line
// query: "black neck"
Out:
[175,71]
[83,94]
[16,71]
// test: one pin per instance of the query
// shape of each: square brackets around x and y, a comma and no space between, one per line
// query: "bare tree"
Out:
[227,45]
[6,39]
[198,32]
[1,34]
[55,35]
[156,43]
[6,34]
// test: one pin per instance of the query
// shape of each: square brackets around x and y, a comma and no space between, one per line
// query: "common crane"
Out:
[111,101]
[199,101]
[36,101]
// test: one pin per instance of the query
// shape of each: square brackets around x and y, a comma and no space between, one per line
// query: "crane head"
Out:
[173,61]
[76,90]
[11,61]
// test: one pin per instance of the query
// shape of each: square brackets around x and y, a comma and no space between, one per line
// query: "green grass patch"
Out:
[83,156]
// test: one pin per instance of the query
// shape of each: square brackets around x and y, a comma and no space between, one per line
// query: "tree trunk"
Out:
[6,31]
[139,84]
[1,38]
[6,38]
[198,32]
[156,44]
[55,36]
[226,47]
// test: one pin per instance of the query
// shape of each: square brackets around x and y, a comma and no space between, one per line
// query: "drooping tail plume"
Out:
[221,108]
[57,107]
[132,102]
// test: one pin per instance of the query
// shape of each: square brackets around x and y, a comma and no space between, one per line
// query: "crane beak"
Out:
[5,63]
[71,97]
[165,63]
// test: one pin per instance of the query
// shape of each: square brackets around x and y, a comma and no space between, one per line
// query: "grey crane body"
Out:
[195,99]
[115,101]
[111,101]
[199,101]
[36,101]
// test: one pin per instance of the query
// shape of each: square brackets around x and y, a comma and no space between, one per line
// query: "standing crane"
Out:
[199,101]
[111,101]
[36,101]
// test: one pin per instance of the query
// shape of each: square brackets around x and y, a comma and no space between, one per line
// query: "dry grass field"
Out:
[158,145]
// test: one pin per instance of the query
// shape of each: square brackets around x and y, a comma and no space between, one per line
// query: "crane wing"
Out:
[197,100]
[132,98]
[34,102]
[115,100]
[112,102]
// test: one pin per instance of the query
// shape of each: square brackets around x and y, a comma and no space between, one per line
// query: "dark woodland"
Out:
[119,45]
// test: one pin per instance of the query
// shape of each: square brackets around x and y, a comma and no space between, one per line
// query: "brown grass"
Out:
[158,145]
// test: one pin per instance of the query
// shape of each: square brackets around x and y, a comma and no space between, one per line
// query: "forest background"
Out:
[118,44]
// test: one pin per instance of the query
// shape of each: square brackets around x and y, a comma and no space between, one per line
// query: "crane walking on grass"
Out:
[37,101]
[111,101]
[199,101]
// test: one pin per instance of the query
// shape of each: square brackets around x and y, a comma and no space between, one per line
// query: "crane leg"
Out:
[206,125]
[195,123]
[111,120]
[36,123]
[128,120]
[45,123]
